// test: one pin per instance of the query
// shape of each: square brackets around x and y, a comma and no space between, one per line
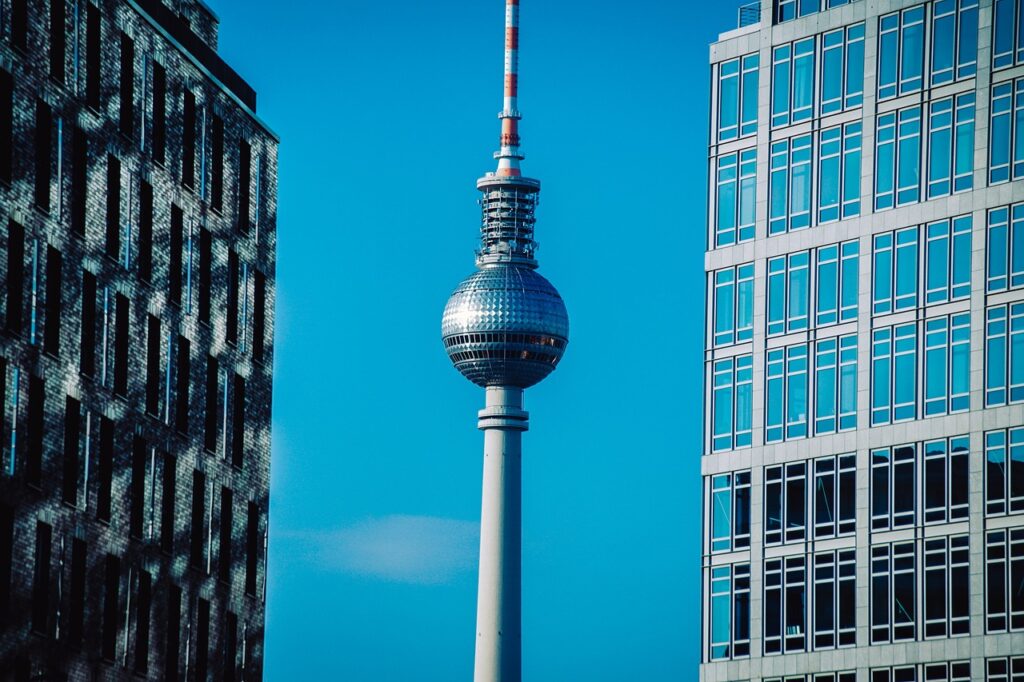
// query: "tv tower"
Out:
[505,328]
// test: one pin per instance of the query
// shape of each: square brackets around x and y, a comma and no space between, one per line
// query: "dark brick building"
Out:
[137,240]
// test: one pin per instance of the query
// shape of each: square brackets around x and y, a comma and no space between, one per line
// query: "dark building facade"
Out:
[137,256]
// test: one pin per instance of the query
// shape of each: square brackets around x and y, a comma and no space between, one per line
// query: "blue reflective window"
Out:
[904,403]
[1000,133]
[826,373]
[948,260]
[785,10]
[748,94]
[726,199]
[721,612]
[963,143]
[1007,33]
[849,281]
[908,156]
[853,94]
[728,100]
[1006,137]
[836,279]
[901,52]
[888,55]
[940,148]
[893,374]
[781,76]
[730,511]
[832,81]
[803,80]
[966,38]
[721,513]
[798,291]
[737,97]
[788,293]
[725,306]
[796,391]
[954,40]
[735,197]
[947,364]
[786,393]
[775,373]
[793,82]
[839,157]
[895,271]
[835,384]
[826,278]
[885,162]
[911,49]
[881,376]
[847,382]
[733,304]
[729,612]
[790,185]
[809,7]
[882,268]
[905,278]
[1004,354]
[943,41]
[1006,248]
[732,405]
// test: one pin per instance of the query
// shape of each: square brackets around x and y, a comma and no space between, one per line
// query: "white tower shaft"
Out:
[498,613]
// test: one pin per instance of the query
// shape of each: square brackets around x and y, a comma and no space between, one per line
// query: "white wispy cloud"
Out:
[398,548]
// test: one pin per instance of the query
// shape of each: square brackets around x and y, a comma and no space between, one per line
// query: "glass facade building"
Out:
[863,454]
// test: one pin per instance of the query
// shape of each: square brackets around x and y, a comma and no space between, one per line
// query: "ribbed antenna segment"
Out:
[510,156]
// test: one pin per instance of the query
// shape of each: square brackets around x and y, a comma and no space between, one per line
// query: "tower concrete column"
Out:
[498,614]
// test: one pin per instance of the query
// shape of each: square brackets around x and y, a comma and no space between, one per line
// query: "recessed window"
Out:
[72,434]
[172,628]
[113,243]
[36,426]
[232,308]
[137,490]
[106,469]
[126,117]
[110,622]
[188,141]
[212,394]
[175,263]
[238,423]
[6,125]
[79,181]
[167,503]
[217,154]
[54,290]
[142,612]
[58,39]
[44,154]
[41,579]
[19,25]
[93,57]
[184,369]
[244,184]
[226,523]
[121,328]
[197,557]
[15,278]
[159,139]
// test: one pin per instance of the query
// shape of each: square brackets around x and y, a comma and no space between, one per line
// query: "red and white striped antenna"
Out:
[510,156]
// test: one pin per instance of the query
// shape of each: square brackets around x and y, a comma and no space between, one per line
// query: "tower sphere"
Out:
[505,325]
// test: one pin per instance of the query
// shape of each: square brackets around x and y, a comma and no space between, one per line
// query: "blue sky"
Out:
[387,114]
